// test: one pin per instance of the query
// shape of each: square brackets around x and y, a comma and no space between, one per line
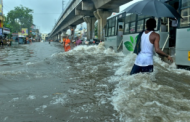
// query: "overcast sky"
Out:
[46,12]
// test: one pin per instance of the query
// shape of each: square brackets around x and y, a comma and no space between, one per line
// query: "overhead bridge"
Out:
[79,11]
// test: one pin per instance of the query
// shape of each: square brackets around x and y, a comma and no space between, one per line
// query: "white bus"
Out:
[174,37]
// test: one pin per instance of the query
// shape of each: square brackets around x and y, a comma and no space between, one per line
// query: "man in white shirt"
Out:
[149,41]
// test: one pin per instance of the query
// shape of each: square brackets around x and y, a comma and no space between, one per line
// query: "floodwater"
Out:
[41,83]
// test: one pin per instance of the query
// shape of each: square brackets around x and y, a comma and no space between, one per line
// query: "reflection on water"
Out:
[90,84]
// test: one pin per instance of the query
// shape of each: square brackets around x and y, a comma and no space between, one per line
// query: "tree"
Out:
[20,17]
[6,23]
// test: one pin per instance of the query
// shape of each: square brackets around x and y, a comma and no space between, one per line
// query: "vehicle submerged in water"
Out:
[174,34]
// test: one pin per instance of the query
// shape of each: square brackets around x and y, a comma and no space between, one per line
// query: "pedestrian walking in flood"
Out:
[78,42]
[149,41]
[66,44]
[8,43]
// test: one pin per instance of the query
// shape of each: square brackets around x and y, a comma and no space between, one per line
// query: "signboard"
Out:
[24,31]
[6,30]
[189,55]
[20,34]
[15,34]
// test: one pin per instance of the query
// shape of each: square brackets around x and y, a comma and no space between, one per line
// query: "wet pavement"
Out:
[41,83]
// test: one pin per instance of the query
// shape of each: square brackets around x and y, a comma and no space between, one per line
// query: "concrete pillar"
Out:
[102,16]
[63,34]
[72,28]
[90,26]
[53,38]
[57,38]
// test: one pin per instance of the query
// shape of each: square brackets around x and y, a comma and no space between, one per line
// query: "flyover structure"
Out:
[78,11]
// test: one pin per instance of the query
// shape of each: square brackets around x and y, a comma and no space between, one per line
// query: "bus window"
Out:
[109,31]
[185,3]
[127,28]
[130,22]
[120,25]
[127,20]
[133,23]
[111,26]
[132,27]
[140,25]
[113,31]
[185,13]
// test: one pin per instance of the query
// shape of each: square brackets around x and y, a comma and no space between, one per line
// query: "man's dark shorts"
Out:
[137,69]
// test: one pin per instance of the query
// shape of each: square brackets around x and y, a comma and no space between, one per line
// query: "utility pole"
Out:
[63,4]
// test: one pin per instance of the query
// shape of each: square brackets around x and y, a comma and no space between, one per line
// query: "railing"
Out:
[67,6]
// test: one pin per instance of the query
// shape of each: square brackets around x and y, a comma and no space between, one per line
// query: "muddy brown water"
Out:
[42,83]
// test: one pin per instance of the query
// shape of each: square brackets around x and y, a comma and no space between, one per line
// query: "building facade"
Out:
[1,17]
[43,36]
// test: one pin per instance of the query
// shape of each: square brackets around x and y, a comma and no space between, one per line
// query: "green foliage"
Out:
[5,23]
[18,18]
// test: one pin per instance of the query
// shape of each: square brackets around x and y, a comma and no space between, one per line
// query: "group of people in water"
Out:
[67,43]
[149,41]
[4,41]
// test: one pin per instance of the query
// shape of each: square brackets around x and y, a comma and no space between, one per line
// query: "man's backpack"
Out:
[138,43]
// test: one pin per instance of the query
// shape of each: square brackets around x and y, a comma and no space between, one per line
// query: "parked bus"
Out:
[174,34]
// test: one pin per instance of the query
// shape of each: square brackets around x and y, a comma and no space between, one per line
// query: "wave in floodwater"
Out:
[143,97]
[103,76]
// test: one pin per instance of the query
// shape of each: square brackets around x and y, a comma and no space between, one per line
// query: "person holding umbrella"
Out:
[149,41]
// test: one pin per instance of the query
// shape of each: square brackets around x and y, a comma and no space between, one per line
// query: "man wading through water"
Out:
[149,41]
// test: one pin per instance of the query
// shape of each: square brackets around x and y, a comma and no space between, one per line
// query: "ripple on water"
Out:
[99,87]
[140,98]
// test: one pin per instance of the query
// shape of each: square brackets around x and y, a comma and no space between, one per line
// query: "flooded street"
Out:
[41,83]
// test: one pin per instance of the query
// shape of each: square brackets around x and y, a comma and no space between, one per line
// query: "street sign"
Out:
[6,30]
[189,55]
